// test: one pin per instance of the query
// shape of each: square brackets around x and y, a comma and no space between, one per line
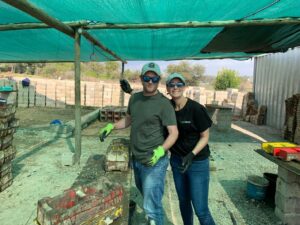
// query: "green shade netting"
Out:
[150,44]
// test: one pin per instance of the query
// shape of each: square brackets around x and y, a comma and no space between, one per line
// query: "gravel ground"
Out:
[39,171]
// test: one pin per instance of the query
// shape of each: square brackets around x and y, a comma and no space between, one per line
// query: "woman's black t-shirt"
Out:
[192,119]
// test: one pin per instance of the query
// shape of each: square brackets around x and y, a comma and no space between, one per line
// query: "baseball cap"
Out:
[175,75]
[151,66]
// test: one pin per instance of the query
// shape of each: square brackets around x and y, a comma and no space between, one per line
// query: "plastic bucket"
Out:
[257,187]
[271,189]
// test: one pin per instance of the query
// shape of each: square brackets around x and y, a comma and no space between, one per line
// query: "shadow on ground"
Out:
[236,191]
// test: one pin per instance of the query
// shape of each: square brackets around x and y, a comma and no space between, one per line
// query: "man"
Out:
[150,115]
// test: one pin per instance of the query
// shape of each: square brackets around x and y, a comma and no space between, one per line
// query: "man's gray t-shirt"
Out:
[150,115]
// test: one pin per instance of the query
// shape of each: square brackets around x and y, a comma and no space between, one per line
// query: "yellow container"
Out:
[269,146]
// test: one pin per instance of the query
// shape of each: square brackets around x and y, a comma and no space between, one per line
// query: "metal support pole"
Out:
[76,158]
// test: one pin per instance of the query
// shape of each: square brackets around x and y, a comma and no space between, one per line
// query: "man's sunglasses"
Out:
[178,85]
[153,79]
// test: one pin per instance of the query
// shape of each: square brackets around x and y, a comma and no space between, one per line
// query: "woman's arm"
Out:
[203,141]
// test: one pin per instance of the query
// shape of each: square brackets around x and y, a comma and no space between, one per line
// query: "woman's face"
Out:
[176,88]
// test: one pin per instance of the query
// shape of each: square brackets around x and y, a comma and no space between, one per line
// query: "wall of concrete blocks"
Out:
[287,198]
[59,93]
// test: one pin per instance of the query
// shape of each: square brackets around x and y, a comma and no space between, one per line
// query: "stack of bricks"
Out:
[93,203]
[8,125]
[287,198]
[112,113]
[251,112]
[260,117]
[292,119]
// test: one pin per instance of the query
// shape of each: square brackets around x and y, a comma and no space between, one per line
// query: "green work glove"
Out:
[105,131]
[187,162]
[157,154]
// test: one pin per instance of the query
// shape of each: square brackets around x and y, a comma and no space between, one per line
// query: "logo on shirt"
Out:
[185,122]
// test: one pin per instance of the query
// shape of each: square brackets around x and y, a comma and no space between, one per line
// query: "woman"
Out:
[189,155]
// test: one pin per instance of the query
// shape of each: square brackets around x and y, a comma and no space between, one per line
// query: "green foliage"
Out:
[192,73]
[132,75]
[227,78]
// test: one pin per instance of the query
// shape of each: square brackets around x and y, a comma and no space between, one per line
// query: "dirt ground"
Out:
[41,169]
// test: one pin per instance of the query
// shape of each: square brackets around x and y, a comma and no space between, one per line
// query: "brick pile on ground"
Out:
[292,119]
[8,125]
[251,112]
[92,203]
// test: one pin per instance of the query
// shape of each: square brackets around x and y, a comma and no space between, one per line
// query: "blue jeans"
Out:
[151,183]
[192,190]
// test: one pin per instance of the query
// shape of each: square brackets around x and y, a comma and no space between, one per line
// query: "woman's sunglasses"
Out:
[153,79]
[178,85]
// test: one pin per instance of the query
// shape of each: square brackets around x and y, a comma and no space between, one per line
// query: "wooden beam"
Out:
[26,26]
[25,6]
[197,24]
[97,43]
[77,154]
[189,24]
[122,94]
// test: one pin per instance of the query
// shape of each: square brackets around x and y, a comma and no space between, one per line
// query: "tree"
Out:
[227,78]
[112,69]
[132,75]
[192,73]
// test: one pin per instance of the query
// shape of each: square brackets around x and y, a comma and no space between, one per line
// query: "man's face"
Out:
[150,82]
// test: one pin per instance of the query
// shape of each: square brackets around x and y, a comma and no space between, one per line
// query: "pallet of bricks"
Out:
[112,113]
[8,125]
[292,119]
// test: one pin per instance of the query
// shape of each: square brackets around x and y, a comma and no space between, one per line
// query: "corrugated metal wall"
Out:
[276,78]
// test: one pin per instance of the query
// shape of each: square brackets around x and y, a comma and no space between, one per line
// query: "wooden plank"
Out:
[290,166]
[77,90]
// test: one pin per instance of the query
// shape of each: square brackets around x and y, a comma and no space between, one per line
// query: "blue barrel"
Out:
[257,187]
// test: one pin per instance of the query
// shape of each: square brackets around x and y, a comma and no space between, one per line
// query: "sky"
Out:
[244,67]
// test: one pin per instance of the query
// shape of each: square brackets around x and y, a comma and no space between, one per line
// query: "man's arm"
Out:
[123,123]
[161,150]
[172,137]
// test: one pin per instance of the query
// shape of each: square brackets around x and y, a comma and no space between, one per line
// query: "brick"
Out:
[287,218]
[288,190]
[287,204]
[288,176]
[86,204]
